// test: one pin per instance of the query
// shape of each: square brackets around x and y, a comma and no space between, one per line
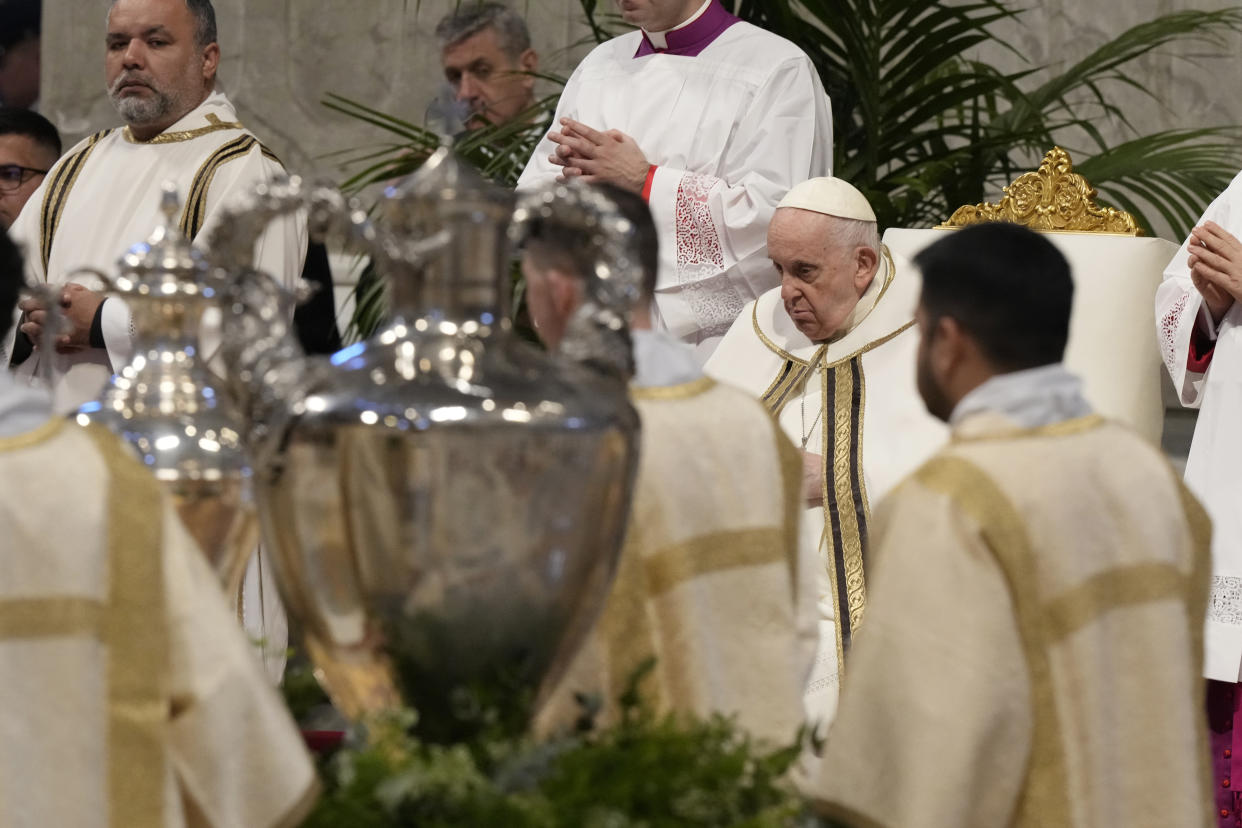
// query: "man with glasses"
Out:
[29,146]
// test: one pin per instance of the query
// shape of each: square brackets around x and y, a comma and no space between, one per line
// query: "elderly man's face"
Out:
[657,15]
[821,280]
[156,72]
[20,157]
[496,87]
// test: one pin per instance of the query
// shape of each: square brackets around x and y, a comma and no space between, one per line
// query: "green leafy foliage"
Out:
[922,128]
[923,124]
[648,771]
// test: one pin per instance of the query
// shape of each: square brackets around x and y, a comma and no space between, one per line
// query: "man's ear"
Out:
[950,343]
[211,61]
[529,62]
[566,292]
[866,260]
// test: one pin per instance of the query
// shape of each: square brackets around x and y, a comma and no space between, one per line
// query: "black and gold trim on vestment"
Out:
[846,512]
[792,377]
[56,195]
[194,213]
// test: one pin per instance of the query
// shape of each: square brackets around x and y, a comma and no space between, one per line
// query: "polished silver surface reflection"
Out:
[165,403]
[444,503]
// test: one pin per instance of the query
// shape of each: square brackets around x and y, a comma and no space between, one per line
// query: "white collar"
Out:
[1032,398]
[660,360]
[659,39]
[23,408]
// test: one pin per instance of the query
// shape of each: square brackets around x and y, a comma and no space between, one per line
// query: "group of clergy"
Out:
[870,496]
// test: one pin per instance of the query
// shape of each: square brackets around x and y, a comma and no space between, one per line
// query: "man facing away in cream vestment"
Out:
[1033,644]
[709,583]
[131,699]
[831,354]
[104,195]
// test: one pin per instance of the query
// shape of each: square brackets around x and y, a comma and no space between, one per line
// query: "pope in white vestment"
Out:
[849,401]
[131,699]
[730,117]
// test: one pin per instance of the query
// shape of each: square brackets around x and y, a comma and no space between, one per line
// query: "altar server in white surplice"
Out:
[1199,325]
[104,196]
[710,583]
[831,353]
[130,695]
[712,120]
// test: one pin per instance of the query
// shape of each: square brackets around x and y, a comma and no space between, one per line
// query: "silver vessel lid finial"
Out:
[167,264]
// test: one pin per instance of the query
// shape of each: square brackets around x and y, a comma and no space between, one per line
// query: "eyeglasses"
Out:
[13,176]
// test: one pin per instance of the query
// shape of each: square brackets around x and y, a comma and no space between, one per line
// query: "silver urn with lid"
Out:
[444,503]
[165,402]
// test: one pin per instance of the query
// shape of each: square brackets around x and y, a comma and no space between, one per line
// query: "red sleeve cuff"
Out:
[1201,349]
[651,171]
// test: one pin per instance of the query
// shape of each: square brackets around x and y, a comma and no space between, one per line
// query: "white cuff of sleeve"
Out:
[115,324]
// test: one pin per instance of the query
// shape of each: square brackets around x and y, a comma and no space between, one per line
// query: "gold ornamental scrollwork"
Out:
[1054,198]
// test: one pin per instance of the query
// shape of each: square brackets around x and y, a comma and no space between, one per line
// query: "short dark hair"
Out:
[1007,286]
[553,244]
[20,20]
[14,121]
[205,30]
[12,277]
[471,18]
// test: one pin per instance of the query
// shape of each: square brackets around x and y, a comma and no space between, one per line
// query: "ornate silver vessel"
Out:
[165,401]
[444,503]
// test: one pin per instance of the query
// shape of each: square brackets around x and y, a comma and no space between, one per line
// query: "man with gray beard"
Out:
[104,196]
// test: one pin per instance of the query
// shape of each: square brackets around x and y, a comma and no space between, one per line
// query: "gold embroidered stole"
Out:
[194,213]
[56,195]
[846,510]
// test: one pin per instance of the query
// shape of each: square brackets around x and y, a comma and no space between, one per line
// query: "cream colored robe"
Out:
[102,198]
[131,698]
[708,582]
[855,402]
[1032,650]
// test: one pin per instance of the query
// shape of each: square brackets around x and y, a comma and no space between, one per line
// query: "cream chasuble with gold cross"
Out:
[131,699]
[854,402]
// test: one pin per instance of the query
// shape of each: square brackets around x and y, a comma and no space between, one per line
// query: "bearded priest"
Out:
[831,354]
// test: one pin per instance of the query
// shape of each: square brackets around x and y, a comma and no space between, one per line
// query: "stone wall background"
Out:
[281,57]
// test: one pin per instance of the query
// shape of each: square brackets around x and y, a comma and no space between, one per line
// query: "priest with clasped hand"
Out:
[711,119]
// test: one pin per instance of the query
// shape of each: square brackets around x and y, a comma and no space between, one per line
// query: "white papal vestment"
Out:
[131,699]
[730,130]
[1213,384]
[854,401]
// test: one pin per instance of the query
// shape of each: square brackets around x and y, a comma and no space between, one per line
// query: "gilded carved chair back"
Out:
[1054,198]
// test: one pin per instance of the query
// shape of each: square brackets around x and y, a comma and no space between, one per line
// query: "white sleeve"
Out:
[539,170]
[1178,302]
[708,225]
